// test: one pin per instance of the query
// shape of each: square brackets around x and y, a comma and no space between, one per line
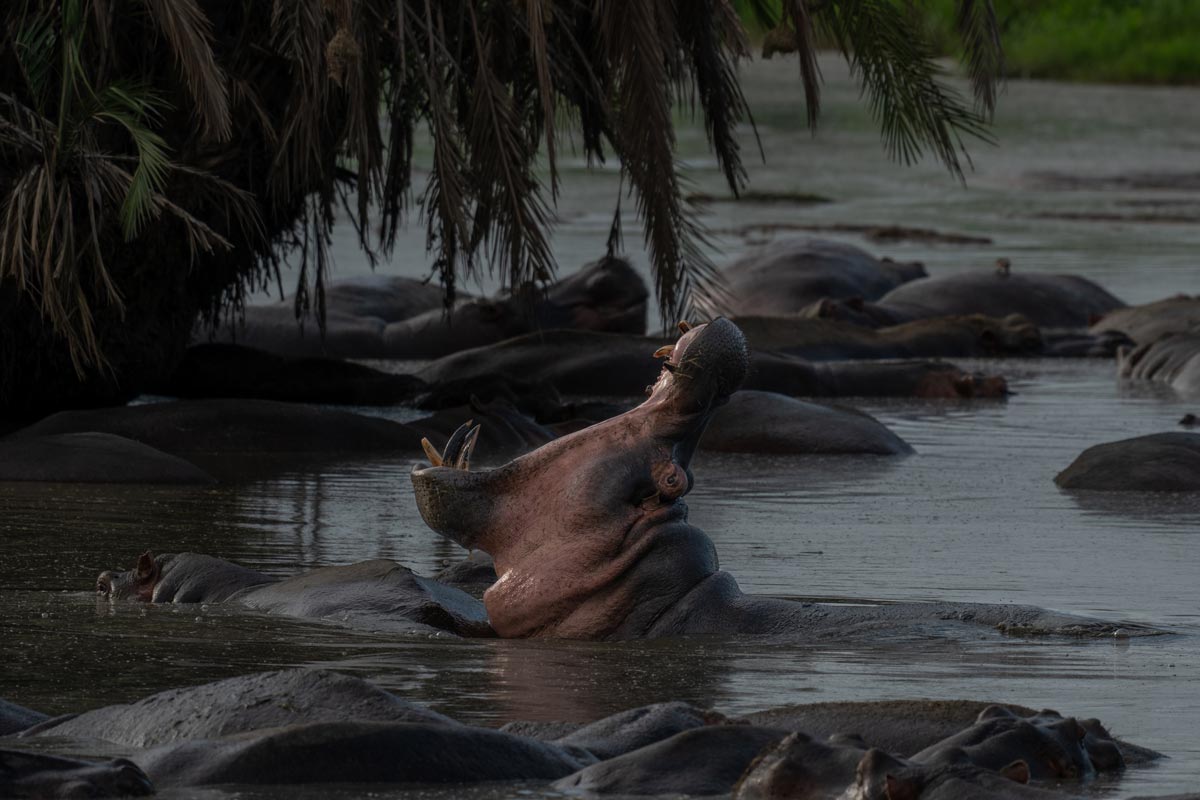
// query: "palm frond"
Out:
[980,32]
[189,33]
[904,84]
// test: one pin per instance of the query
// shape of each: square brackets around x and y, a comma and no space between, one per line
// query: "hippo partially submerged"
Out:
[618,559]
[299,726]
[590,539]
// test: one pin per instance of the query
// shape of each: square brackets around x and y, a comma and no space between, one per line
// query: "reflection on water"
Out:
[973,516]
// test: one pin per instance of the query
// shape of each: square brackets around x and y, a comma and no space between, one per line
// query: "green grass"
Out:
[1121,41]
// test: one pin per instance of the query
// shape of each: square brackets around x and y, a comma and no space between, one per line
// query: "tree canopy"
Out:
[220,138]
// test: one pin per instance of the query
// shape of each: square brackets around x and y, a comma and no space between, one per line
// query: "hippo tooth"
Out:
[665,351]
[431,453]
[468,446]
[455,444]
[684,326]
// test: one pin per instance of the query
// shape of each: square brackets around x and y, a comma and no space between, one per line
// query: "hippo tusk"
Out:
[684,326]
[431,453]
[454,445]
[665,351]
[464,457]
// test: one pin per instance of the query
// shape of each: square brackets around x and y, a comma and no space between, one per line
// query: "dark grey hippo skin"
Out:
[215,433]
[964,336]
[357,752]
[767,422]
[1173,359]
[1151,321]
[1160,462]
[378,595]
[217,369]
[605,364]
[189,427]
[15,718]
[298,726]
[357,311]
[40,776]
[788,274]
[952,336]
[1046,300]
[800,767]
[237,705]
[93,458]
[909,728]
[702,762]
[374,319]
[636,728]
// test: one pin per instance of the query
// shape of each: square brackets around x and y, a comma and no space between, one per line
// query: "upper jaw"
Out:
[705,366]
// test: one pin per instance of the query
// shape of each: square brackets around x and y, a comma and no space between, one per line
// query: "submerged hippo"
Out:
[39,776]
[1151,321]
[788,274]
[588,363]
[1160,462]
[1173,360]
[401,318]
[302,726]
[972,335]
[1047,300]
[619,559]
[590,540]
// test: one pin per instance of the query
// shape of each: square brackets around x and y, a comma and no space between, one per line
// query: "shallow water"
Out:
[973,516]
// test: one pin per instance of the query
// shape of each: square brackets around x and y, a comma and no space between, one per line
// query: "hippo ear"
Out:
[145,566]
[1016,771]
[995,712]
[900,788]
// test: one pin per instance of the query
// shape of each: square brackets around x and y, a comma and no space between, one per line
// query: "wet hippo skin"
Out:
[788,274]
[300,726]
[619,559]
[402,318]
[1159,462]
[590,540]
[39,776]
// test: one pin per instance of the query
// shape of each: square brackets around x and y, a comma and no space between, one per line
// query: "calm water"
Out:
[973,516]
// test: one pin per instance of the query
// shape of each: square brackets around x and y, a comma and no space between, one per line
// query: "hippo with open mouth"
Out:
[590,539]
[590,536]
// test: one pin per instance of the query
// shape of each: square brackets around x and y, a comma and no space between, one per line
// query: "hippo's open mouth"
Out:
[567,520]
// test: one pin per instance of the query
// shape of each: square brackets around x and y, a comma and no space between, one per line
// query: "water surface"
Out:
[973,516]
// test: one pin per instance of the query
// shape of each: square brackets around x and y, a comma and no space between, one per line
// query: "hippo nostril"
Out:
[672,480]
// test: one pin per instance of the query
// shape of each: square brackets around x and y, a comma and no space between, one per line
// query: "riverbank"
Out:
[1098,41]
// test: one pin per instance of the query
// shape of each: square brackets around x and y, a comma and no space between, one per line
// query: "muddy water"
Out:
[973,516]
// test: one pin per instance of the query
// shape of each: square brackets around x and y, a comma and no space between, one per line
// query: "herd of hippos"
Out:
[580,529]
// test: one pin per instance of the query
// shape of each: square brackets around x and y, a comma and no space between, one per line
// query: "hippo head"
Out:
[606,295]
[589,532]
[135,584]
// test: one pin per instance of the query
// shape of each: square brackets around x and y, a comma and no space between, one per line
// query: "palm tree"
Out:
[176,152]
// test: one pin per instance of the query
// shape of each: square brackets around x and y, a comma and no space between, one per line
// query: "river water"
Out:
[973,516]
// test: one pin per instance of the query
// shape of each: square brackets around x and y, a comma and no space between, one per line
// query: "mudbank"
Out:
[402,318]
[590,540]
